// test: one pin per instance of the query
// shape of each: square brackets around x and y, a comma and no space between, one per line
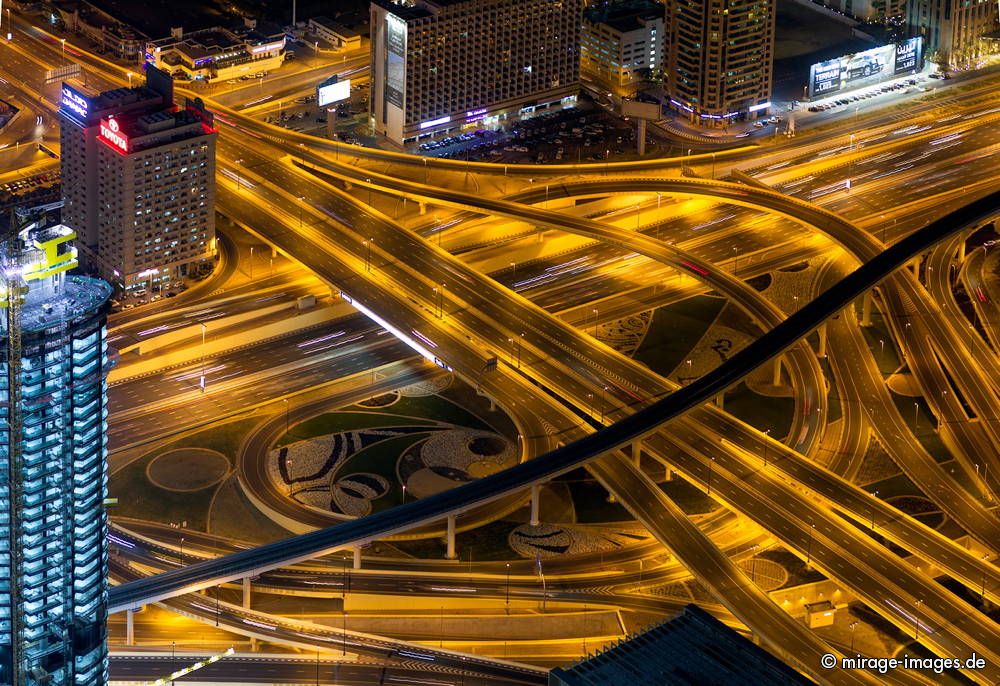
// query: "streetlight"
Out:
[369,192]
[812,527]
[129,75]
[513,275]
[736,262]
[301,200]
[709,492]
[853,626]
[343,650]
[508,588]
[63,40]
[595,322]
[767,433]
[285,400]
[916,620]
[204,328]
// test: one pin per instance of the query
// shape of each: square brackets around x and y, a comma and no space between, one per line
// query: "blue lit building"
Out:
[53,552]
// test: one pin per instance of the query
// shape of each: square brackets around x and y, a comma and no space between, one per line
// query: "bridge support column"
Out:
[423,207]
[357,557]
[915,266]
[450,554]
[246,593]
[668,473]
[493,405]
[535,493]
[822,340]
[866,309]
[720,400]
[637,452]
[961,251]
[130,627]
[776,377]
[274,252]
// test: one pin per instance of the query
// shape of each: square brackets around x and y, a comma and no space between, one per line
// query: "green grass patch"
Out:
[234,516]
[590,500]
[922,423]
[881,343]
[761,412]
[688,497]
[337,422]
[675,330]
[139,498]
[433,408]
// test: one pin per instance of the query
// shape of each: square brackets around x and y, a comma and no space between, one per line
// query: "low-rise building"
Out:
[337,35]
[110,35]
[217,53]
[620,44]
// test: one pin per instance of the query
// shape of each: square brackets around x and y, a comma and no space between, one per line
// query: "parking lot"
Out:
[568,135]
[907,86]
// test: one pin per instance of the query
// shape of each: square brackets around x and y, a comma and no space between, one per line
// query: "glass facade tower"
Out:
[53,451]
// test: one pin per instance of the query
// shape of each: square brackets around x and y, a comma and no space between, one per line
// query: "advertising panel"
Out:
[864,68]
[75,102]
[333,90]
[395,62]
[112,133]
[909,55]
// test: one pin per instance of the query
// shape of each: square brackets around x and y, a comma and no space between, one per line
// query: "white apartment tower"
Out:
[621,42]
[720,56]
[444,64]
[139,181]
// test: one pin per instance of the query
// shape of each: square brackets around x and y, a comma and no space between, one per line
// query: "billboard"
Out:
[864,68]
[333,90]
[395,59]
[75,102]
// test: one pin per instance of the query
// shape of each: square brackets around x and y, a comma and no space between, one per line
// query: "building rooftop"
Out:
[692,649]
[336,27]
[403,10]
[625,15]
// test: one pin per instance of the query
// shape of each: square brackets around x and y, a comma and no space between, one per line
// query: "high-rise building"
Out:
[53,448]
[620,43]
[138,181]
[444,64]
[720,56]
[954,31]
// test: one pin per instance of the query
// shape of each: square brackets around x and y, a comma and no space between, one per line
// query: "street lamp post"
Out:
[812,527]
[736,261]
[508,588]
[916,620]
[595,322]
[204,328]
[301,200]
[767,433]
[853,626]
[285,400]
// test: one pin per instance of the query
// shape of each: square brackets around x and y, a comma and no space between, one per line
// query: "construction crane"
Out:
[11,264]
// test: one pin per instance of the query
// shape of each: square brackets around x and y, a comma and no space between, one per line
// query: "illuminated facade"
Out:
[217,53]
[139,181]
[954,31]
[444,64]
[619,43]
[720,57]
[53,589]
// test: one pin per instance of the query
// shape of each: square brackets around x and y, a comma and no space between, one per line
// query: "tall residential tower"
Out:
[53,448]
[138,181]
[720,55]
[439,65]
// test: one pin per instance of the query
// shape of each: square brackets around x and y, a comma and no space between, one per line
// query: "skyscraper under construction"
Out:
[53,451]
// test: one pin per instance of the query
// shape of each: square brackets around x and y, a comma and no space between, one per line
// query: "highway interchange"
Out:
[350,240]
